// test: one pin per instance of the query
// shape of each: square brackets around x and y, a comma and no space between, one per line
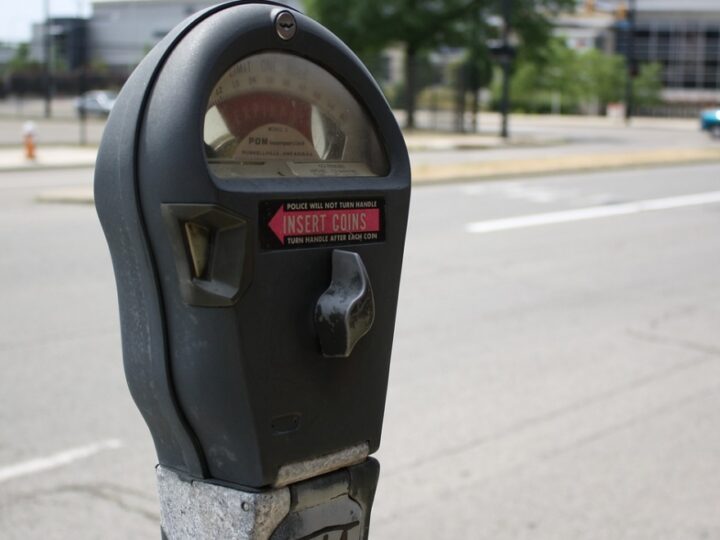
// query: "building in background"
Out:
[116,36]
[68,42]
[121,32]
[7,53]
[587,29]
[683,37]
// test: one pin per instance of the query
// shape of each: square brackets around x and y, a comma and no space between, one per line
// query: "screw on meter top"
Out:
[277,114]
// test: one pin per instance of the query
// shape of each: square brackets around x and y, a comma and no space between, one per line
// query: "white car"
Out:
[96,102]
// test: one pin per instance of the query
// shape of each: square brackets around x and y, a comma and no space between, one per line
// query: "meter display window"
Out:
[276,114]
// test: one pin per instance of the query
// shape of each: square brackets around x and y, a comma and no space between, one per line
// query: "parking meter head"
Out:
[253,186]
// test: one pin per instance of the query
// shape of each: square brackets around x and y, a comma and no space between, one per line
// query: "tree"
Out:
[601,77]
[580,80]
[21,61]
[545,79]
[477,67]
[647,86]
[419,25]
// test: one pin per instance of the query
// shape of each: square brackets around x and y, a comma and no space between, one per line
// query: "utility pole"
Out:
[630,60]
[506,61]
[475,76]
[47,45]
[82,80]
[82,112]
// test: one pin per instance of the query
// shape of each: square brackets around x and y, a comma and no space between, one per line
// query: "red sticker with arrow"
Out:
[312,223]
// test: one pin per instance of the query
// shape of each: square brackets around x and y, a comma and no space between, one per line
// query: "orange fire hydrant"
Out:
[29,140]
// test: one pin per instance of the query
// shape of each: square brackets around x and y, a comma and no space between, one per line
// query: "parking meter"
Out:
[253,187]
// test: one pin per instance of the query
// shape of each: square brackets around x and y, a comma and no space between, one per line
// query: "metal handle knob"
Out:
[346,310]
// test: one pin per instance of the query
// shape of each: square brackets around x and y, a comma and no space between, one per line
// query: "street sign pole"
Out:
[506,64]
[631,64]
[47,46]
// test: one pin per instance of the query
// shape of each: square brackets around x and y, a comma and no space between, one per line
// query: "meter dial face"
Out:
[277,114]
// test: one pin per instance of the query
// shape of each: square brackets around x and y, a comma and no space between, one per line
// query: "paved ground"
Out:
[550,381]
[558,381]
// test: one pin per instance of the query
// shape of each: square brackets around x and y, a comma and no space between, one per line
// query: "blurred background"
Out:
[556,366]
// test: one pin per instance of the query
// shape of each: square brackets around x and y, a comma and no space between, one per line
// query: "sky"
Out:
[17,16]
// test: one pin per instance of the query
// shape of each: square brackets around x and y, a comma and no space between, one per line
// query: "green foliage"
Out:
[550,73]
[59,63]
[99,66]
[600,77]
[21,62]
[427,75]
[476,71]
[647,86]
[547,74]
[572,81]
[437,98]
[532,21]
[371,25]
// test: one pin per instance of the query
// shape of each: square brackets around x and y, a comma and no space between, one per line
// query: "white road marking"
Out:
[592,212]
[519,190]
[56,460]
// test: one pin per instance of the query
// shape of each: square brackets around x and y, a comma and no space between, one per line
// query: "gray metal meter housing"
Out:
[257,295]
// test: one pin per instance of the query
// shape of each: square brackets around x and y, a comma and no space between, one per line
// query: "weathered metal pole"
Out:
[630,59]
[506,62]
[47,46]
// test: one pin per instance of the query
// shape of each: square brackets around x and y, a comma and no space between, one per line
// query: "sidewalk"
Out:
[12,158]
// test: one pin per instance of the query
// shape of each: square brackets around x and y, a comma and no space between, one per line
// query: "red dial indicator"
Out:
[246,112]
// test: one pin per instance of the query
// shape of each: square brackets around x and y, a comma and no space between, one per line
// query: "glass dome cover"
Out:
[277,114]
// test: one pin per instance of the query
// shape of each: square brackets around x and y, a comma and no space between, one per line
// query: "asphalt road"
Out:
[556,374]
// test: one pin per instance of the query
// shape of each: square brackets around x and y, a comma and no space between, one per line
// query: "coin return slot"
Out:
[209,244]
[198,240]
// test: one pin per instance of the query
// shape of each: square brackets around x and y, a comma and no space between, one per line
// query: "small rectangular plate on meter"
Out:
[321,222]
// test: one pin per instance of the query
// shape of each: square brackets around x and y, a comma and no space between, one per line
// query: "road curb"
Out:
[561,172]
[471,172]
[443,143]
[48,157]
[35,168]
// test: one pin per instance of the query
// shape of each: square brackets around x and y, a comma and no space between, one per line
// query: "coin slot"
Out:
[211,254]
[198,240]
